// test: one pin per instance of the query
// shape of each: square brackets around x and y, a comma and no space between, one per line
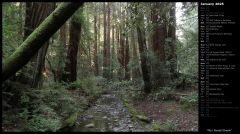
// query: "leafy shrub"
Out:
[43,118]
[43,123]
[60,99]
[189,101]
[45,109]
[87,86]
[100,80]
[164,127]
[122,85]
[162,93]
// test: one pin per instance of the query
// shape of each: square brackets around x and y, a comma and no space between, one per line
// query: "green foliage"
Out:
[128,91]
[164,127]
[72,119]
[87,85]
[120,85]
[85,46]
[190,101]
[130,108]
[12,26]
[135,114]
[48,120]
[36,115]
[50,107]
[90,86]
[187,43]
[133,64]
[162,93]
[114,65]
[45,109]
[56,55]
[132,88]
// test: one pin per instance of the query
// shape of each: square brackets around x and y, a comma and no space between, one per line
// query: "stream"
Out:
[108,114]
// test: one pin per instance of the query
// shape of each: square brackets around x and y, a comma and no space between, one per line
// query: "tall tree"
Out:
[36,12]
[142,48]
[108,38]
[106,60]
[121,53]
[126,56]
[74,33]
[172,37]
[159,71]
[63,46]
[135,56]
[96,72]
[113,41]
[37,38]
[105,41]
[99,36]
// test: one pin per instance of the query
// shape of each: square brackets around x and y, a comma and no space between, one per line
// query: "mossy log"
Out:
[37,38]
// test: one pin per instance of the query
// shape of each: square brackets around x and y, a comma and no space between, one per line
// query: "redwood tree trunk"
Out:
[126,58]
[113,42]
[135,71]
[36,12]
[98,47]
[71,66]
[159,71]
[96,72]
[108,40]
[106,61]
[121,48]
[63,46]
[143,50]
[172,36]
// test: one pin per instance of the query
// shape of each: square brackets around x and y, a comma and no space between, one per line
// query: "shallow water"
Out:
[108,114]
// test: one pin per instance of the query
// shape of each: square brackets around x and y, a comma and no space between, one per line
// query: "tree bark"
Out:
[113,42]
[37,38]
[143,50]
[108,40]
[99,43]
[96,72]
[40,59]
[106,61]
[71,65]
[135,57]
[36,12]
[126,58]
[159,70]
[172,36]
[105,42]
[61,57]
[121,53]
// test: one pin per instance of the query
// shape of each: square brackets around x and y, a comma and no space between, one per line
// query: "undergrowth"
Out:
[49,108]
[167,126]
[190,101]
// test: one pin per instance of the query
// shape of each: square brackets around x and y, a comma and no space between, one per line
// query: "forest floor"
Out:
[112,113]
[170,112]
